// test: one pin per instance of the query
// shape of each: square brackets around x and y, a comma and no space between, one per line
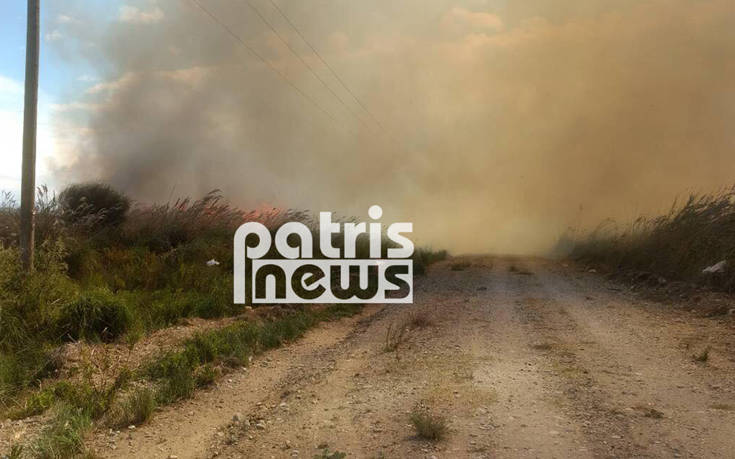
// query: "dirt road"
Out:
[524,358]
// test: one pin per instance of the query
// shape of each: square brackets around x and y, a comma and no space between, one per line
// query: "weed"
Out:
[423,257]
[325,453]
[543,346]
[16,452]
[205,376]
[428,426]
[176,373]
[36,404]
[520,271]
[395,335]
[93,401]
[97,314]
[703,356]
[420,319]
[459,266]
[650,412]
[137,408]
[64,436]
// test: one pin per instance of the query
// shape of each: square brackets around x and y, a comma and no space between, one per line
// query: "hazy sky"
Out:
[492,125]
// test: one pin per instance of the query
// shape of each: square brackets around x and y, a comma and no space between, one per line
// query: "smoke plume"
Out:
[492,125]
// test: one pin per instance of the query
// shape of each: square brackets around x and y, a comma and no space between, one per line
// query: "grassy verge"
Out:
[110,271]
[678,246]
[172,376]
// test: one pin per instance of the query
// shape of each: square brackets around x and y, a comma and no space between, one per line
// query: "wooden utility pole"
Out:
[28,181]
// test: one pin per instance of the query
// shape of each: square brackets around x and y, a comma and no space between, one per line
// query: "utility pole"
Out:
[30,114]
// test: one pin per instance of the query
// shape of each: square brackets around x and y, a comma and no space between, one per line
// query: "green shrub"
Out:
[28,301]
[176,372]
[25,367]
[167,308]
[93,204]
[209,307]
[96,314]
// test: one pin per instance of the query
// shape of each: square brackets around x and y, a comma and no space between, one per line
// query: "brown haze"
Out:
[503,122]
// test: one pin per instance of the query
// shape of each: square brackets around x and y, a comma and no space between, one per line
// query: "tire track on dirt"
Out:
[636,356]
[625,364]
[530,422]
[521,357]
[188,429]
[578,390]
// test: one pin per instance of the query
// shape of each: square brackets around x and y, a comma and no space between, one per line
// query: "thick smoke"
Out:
[501,123]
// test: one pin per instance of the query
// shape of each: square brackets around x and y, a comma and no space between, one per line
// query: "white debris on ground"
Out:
[718,267]
[213,262]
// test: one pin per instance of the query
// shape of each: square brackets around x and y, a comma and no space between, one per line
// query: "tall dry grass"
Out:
[693,235]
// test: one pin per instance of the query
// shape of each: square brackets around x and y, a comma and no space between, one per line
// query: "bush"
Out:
[137,408]
[93,204]
[96,314]
[205,376]
[177,375]
[427,425]
[24,367]
[423,257]
[27,301]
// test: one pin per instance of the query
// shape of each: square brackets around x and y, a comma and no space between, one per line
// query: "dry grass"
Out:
[649,412]
[460,266]
[693,235]
[516,270]
[135,409]
[703,356]
[543,346]
[399,331]
[428,426]
[395,336]
[420,319]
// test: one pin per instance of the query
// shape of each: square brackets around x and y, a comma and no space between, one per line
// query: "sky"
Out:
[59,79]
[493,125]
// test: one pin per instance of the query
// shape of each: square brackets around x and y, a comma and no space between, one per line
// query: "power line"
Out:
[261,58]
[326,64]
[303,61]
[389,135]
